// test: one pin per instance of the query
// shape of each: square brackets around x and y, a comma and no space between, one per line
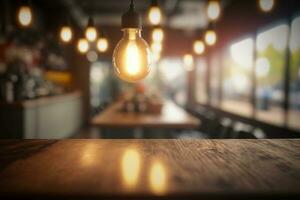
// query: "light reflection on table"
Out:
[130,165]
[158,177]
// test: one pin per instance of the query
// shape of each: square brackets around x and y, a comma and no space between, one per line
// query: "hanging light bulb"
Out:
[83,45]
[188,61]
[154,14]
[156,47]
[156,56]
[266,5]
[91,31]
[213,10]
[157,34]
[199,47]
[66,34]
[24,16]
[132,56]
[102,44]
[210,36]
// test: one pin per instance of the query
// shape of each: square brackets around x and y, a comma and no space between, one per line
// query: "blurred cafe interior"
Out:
[186,72]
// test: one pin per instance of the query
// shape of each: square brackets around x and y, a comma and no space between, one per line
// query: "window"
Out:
[269,71]
[100,84]
[294,95]
[200,79]
[237,81]
[215,80]
[173,79]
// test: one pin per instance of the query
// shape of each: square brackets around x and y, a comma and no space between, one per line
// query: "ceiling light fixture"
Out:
[199,47]
[132,56]
[266,5]
[66,33]
[213,10]
[91,31]
[154,14]
[210,36]
[83,45]
[157,34]
[24,16]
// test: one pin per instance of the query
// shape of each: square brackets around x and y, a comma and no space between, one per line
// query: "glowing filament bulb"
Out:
[83,45]
[155,15]
[66,34]
[210,37]
[91,34]
[102,44]
[213,10]
[25,16]
[188,61]
[266,5]
[157,35]
[199,47]
[132,59]
[156,47]
[132,56]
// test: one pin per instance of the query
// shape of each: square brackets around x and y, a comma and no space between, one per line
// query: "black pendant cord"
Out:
[154,3]
[131,19]
[90,22]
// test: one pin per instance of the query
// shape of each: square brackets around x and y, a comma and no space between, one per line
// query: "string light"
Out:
[213,10]
[91,32]
[66,34]
[24,16]
[199,47]
[83,45]
[102,44]
[266,5]
[188,61]
[210,35]
[156,47]
[157,34]
[154,14]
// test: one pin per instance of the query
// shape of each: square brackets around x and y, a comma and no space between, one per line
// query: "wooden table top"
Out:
[172,116]
[135,169]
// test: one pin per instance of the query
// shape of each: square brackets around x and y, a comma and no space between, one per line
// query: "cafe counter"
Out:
[47,117]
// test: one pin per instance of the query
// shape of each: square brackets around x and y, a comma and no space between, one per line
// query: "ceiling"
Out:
[179,14]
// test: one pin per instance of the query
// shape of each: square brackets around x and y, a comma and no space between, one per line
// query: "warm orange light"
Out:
[131,164]
[156,47]
[102,44]
[155,15]
[91,34]
[213,10]
[25,16]
[199,47]
[158,178]
[83,45]
[156,56]
[157,35]
[132,57]
[188,61]
[66,34]
[210,37]
[266,5]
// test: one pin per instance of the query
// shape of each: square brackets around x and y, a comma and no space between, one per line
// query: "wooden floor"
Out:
[137,169]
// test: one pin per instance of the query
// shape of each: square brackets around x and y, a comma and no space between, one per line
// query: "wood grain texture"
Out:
[172,116]
[179,169]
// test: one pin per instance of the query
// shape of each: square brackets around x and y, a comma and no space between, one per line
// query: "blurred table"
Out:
[139,169]
[172,117]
